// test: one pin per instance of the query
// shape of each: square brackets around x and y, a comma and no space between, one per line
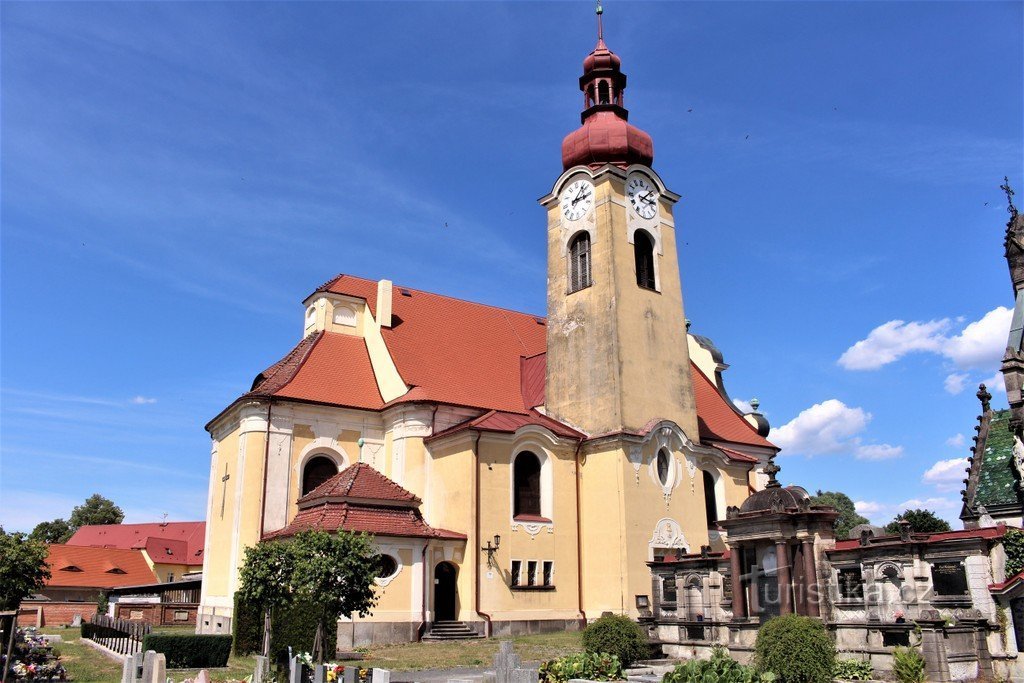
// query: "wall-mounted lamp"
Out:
[491,549]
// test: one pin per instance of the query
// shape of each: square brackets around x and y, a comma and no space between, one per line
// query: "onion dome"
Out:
[606,136]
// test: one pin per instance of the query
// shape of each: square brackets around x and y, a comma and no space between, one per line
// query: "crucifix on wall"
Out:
[224,492]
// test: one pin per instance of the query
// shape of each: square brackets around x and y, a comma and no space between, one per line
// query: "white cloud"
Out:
[937,505]
[827,427]
[879,451]
[891,341]
[954,383]
[946,475]
[979,345]
[956,441]
[982,343]
[869,508]
[744,406]
[143,400]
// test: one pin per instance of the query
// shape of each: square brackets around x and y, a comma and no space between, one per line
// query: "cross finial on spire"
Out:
[1005,187]
[600,28]
[771,469]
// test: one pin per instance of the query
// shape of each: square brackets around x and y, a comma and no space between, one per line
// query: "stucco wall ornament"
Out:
[889,571]
[533,528]
[1018,456]
[668,534]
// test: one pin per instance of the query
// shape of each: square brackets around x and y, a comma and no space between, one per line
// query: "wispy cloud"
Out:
[143,400]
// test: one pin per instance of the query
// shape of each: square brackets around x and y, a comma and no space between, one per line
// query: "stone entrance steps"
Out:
[450,630]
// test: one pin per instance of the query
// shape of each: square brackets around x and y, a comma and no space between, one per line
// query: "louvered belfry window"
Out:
[643,252]
[579,262]
[527,485]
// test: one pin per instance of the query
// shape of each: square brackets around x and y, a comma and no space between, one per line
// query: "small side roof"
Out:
[90,567]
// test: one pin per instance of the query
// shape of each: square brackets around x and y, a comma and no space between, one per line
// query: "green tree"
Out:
[95,510]
[23,568]
[848,517]
[921,521]
[335,572]
[57,531]
[332,572]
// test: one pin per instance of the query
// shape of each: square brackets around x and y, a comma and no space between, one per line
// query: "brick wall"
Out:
[53,613]
[157,614]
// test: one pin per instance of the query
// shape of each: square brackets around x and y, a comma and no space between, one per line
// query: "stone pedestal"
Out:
[933,646]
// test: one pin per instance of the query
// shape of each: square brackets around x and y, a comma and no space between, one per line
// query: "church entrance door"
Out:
[445,574]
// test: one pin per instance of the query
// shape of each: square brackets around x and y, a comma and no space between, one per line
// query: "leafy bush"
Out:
[618,635]
[907,665]
[593,666]
[798,649]
[1013,544]
[295,625]
[247,627]
[721,668]
[853,670]
[189,651]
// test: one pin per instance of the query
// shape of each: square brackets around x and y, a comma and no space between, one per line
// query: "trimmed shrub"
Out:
[592,666]
[189,651]
[247,627]
[295,626]
[853,670]
[797,649]
[907,665]
[617,635]
[721,668]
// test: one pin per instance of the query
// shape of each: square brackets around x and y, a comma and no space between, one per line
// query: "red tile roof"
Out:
[455,352]
[509,423]
[361,481]
[459,352]
[376,520]
[716,419]
[184,539]
[325,367]
[1010,583]
[988,533]
[92,567]
[359,498]
[736,456]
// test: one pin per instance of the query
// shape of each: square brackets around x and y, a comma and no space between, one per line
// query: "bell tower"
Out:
[617,354]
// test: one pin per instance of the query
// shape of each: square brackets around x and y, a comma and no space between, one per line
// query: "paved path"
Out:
[463,672]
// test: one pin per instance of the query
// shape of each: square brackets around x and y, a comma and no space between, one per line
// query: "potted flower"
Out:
[899,616]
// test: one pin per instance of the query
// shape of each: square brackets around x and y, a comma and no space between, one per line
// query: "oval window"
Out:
[386,566]
[664,466]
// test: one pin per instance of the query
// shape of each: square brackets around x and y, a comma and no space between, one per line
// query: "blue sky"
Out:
[177,177]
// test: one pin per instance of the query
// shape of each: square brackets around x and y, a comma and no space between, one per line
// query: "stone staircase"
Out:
[450,630]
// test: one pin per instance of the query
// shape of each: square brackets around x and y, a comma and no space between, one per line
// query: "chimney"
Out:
[384,303]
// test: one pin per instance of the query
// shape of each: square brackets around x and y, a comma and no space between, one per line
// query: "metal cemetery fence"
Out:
[120,635]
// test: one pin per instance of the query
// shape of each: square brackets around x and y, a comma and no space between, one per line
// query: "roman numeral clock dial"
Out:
[643,197]
[577,200]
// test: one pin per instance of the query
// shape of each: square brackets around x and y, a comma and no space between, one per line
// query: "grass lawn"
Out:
[86,665]
[447,655]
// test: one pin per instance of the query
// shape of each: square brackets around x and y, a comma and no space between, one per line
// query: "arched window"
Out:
[318,470]
[710,501]
[579,262]
[664,465]
[526,475]
[643,253]
[602,92]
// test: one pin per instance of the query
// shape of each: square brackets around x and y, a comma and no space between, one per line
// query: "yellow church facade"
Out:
[518,473]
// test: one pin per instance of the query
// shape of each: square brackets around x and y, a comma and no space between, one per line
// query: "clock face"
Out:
[577,200]
[642,196]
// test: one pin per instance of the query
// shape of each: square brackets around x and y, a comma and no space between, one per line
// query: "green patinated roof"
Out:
[996,482]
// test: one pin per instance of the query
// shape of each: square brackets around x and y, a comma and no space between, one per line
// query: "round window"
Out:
[386,566]
[664,466]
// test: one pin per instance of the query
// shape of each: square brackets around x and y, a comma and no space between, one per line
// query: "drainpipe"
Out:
[422,628]
[579,541]
[476,539]
[266,464]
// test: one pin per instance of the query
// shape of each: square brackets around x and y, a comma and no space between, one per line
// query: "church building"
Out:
[518,473]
